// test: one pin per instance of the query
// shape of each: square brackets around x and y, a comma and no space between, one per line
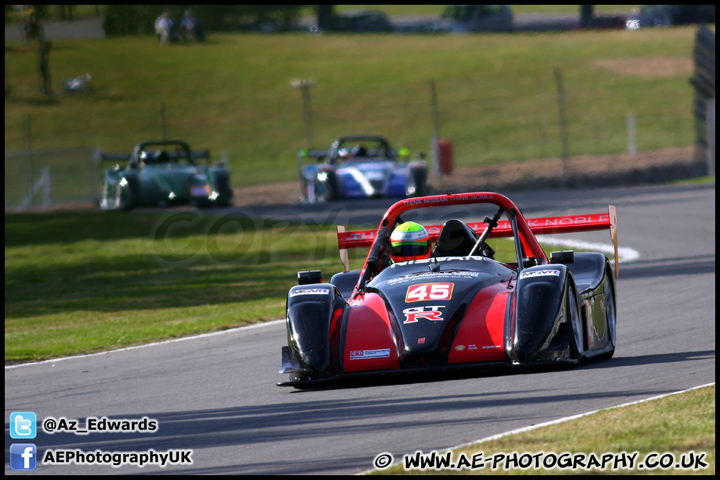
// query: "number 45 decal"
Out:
[429,291]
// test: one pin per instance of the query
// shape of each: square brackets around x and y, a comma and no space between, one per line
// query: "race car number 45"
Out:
[429,291]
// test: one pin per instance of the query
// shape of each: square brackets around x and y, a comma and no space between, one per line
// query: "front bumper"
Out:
[413,375]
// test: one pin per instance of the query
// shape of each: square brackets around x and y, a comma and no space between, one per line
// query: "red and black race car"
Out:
[468,306]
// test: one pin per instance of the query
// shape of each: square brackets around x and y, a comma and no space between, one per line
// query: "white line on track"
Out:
[626,254]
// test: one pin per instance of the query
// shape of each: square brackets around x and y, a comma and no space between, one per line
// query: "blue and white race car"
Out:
[360,166]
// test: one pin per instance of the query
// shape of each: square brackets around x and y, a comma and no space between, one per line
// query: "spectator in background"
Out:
[190,27]
[44,53]
[32,30]
[164,25]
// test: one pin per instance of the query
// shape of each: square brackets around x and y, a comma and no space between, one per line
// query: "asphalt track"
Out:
[217,396]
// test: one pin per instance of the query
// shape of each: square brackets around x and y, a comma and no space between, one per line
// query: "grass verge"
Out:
[85,282]
[664,435]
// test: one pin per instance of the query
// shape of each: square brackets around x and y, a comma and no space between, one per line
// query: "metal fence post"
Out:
[46,191]
[28,158]
[304,85]
[631,135]
[95,171]
[563,121]
[710,114]
[435,142]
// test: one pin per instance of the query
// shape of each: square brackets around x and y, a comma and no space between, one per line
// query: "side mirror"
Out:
[532,262]
[309,277]
[565,257]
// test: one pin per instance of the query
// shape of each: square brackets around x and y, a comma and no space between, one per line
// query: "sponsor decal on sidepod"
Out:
[361,354]
[538,273]
[311,291]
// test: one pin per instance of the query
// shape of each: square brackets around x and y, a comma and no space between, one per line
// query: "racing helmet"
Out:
[147,157]
[344,153]
[409,241]
[162,156]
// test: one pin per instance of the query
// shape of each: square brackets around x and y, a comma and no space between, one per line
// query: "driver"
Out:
[162,156]
[409,241]
[359,151]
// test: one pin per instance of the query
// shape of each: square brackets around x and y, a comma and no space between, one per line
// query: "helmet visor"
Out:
[410,249]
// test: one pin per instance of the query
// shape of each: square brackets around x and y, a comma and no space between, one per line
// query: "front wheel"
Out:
[419,178]
[327,189]
[106,200]
[121,200]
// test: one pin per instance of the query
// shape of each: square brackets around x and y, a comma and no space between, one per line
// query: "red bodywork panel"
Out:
[369,341]
[481,337]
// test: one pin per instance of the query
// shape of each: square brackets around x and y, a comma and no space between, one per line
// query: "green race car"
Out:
[164,173]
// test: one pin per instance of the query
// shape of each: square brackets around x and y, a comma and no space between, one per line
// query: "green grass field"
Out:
[497,94]
[79,283]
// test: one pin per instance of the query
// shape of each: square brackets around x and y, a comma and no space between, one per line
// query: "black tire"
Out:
[121,202]
[610,317]
[419,176]
[327,191]
[222,183]
[575,319]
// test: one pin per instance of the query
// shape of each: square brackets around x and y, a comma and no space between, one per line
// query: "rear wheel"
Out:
[573,313]
[610,317]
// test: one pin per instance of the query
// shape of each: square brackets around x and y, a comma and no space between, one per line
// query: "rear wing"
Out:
[200,154]
[316,154]
[539,226]
[116,157]
[312,153]
[302,153]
